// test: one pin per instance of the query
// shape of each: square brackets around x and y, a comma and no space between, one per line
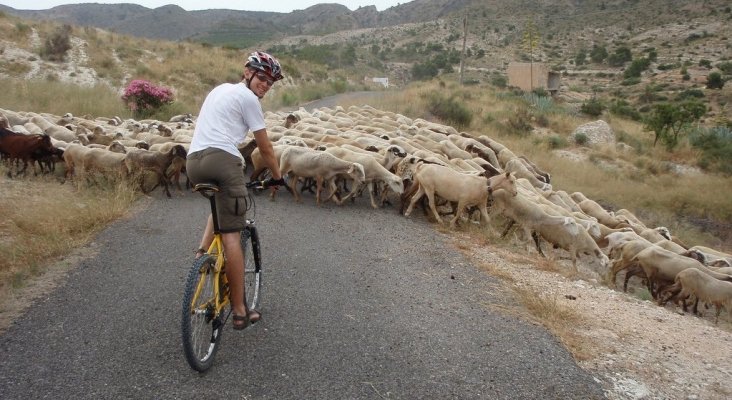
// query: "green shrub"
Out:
[541,92]
[339,86]
[725,67]
[499,81]
[581,139]
[715,81]
[623,109]
[592,107]
[57,44]
[636,67]
[289,99]
[520,121]
[424,71]
[556,142]
[689,94]
[543,104]
[716,147]
[450,109]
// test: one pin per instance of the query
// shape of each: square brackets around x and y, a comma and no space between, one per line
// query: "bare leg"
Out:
[207,236]
[235,271]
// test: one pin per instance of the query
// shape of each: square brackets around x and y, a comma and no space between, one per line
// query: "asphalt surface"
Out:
[358,304]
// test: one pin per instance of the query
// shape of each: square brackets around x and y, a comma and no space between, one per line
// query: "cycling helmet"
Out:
[264,62]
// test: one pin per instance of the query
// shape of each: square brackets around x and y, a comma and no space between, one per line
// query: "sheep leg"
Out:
[484,213]
[162,180]
[293,188]
[406,196]
[318,188]
[630,272]
[418,195]
[459,211]
[669,293]
[371,189]
[352,193]
[509,225]
[535,236]
[431,198]
[333,191]
[384,196]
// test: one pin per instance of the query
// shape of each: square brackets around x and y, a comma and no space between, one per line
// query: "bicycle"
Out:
[206,295]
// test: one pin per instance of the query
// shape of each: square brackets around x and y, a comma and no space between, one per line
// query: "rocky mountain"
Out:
[242,28]
[675,44]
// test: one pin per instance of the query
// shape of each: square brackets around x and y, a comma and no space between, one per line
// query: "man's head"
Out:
[261,72]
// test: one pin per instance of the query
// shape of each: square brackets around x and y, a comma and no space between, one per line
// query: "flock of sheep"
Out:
[389,155]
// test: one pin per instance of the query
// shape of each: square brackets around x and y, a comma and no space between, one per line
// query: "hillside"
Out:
[682,42]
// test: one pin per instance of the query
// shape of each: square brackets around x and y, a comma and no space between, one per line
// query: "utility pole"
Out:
[465,39]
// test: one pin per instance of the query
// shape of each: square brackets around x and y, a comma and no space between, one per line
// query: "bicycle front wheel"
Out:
[252,267]
[201,325]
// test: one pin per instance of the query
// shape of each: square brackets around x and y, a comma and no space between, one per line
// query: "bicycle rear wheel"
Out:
[252,267]
[201,327]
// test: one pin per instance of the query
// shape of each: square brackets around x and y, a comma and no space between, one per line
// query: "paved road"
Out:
[359,304]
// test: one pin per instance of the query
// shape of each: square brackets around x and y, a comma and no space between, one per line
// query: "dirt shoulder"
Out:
[637,349]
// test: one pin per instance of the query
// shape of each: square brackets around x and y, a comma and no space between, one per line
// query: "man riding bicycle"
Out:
[228,113]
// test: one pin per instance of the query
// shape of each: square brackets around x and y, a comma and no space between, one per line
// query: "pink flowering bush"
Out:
[142,97]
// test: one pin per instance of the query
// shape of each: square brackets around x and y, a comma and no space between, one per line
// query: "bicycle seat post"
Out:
[209,190]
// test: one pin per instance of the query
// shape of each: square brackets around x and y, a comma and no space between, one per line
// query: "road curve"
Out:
[358,304]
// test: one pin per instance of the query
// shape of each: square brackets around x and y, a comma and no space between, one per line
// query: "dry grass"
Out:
[44,96]
[545,309]
[53,220]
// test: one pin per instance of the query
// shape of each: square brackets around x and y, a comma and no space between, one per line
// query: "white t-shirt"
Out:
[229,112]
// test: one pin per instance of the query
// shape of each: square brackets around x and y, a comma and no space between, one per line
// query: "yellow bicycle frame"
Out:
[221,287]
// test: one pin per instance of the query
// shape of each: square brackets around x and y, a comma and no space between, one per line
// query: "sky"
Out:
[284,6]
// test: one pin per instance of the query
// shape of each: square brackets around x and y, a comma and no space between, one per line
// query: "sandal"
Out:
[242,321]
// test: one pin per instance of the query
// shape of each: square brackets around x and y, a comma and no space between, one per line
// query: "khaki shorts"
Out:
[226,171]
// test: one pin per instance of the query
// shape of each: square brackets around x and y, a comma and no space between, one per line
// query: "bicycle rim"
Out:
[201,327]
[252,267]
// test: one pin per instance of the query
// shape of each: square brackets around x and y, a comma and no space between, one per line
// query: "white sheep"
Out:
[706,288]
[661,267]
[374,173]
[466,190]
[300,162]
[563,232]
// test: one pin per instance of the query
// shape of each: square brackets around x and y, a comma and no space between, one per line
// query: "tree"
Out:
[620,57]
[668,120]
[636,67]
[598,54]
[715,81]
[581,57]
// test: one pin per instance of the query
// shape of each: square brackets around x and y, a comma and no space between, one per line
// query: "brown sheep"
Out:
[156,162]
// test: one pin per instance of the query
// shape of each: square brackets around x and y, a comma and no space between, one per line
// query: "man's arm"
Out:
[267,152]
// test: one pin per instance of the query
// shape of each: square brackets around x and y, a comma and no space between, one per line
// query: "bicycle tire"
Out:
[201,330]
[250,247]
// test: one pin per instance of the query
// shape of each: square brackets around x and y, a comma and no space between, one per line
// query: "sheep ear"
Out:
[508,174]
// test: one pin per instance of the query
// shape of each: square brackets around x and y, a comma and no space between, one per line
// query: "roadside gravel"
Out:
[637,349]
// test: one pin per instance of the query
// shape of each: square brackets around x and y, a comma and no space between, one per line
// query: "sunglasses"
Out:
[264,78]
